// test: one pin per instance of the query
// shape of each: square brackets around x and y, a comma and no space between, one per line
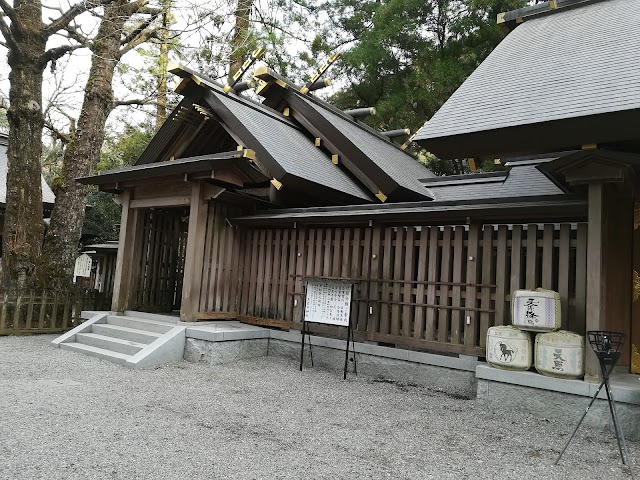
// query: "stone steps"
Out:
[133,340]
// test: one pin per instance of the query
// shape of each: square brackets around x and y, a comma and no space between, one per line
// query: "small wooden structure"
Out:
[235,202]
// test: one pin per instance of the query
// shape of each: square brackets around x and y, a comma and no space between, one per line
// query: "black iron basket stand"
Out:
[606,346]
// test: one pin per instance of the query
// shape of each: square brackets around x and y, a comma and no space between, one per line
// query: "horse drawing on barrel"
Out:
[506,353]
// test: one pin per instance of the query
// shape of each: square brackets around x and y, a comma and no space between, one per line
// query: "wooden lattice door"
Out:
[161,263]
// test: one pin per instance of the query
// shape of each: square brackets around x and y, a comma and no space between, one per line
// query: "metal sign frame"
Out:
[349,326]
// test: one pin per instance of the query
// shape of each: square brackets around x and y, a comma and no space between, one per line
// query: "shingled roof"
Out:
[557,81]
[48,198]
[523,179]
[400,167]
[210,120]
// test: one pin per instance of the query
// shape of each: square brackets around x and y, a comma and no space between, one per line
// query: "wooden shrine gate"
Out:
[160,265]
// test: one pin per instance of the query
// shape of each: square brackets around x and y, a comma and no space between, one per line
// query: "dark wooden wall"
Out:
[438,287]
[160,265]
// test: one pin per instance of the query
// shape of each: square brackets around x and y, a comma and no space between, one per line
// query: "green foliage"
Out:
[407,57]
[292,31]
[123,149]
[491,166]
[102,218]
[103,215]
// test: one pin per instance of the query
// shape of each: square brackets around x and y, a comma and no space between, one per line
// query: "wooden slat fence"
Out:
[161,261]
[431,287]
[43,311]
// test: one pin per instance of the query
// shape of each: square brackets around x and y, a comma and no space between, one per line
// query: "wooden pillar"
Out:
[609,272]
[127,246]
[596,284]
[194,257]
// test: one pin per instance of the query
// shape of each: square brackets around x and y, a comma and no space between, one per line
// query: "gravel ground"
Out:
[69,416]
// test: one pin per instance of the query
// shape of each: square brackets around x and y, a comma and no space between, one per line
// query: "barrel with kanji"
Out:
[536,310]
[560,354]
[509,348]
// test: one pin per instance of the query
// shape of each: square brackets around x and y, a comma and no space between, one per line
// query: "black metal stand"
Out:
[353,345]
[305,331]
[606,346]
[350,336]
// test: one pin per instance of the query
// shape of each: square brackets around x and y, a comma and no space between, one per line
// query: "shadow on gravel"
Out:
[405,387]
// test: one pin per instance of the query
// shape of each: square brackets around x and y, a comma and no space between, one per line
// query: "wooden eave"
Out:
[234,170]
[605,130]
[503,210]
[588,166]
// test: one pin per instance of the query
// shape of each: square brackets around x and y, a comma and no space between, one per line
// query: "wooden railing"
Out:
[44,311]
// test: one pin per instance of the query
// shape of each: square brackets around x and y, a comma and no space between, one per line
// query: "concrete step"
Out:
[140,323]
[125,333]
[92,351]
[159,317]
[110,343]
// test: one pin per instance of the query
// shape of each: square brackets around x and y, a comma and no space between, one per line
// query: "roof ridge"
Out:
[513,18]
[464,176]
[213,85]
[363,126]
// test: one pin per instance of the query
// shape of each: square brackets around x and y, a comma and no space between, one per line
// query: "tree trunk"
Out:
[23,229]
[240,36]
[82,155]
[163,61]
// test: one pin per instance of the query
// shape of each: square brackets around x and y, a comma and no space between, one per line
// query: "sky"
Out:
[64,82]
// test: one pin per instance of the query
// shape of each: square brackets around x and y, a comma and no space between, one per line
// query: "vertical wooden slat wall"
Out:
[161,262]
[435,287]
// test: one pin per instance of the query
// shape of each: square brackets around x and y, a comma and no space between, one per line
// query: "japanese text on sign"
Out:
[83,266]
[328,302]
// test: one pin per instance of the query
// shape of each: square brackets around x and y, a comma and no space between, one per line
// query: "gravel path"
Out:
[69,416]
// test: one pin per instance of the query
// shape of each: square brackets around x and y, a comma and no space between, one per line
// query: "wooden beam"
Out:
[127,250]
[176,201]
[194,256]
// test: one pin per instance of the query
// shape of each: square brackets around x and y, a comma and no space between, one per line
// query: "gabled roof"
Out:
[523,179]
[288,154]
[48,198]
[556,82]
[386,170]
[391,169]
[209,120]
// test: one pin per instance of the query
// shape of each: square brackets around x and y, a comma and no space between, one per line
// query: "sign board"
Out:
[328,302]
[83,266]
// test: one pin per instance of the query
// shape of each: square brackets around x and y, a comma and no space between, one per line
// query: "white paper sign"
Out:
[83,266]
[328,302]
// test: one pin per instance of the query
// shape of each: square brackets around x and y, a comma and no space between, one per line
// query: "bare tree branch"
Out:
[64,137]
[154,14]
[74,34]
[56,53]
[67,17]
[142,37]
[135,101]
[9,11]
[10,42]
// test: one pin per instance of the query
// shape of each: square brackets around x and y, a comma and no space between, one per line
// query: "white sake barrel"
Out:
[560,354]
[509,348]
[536,310]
